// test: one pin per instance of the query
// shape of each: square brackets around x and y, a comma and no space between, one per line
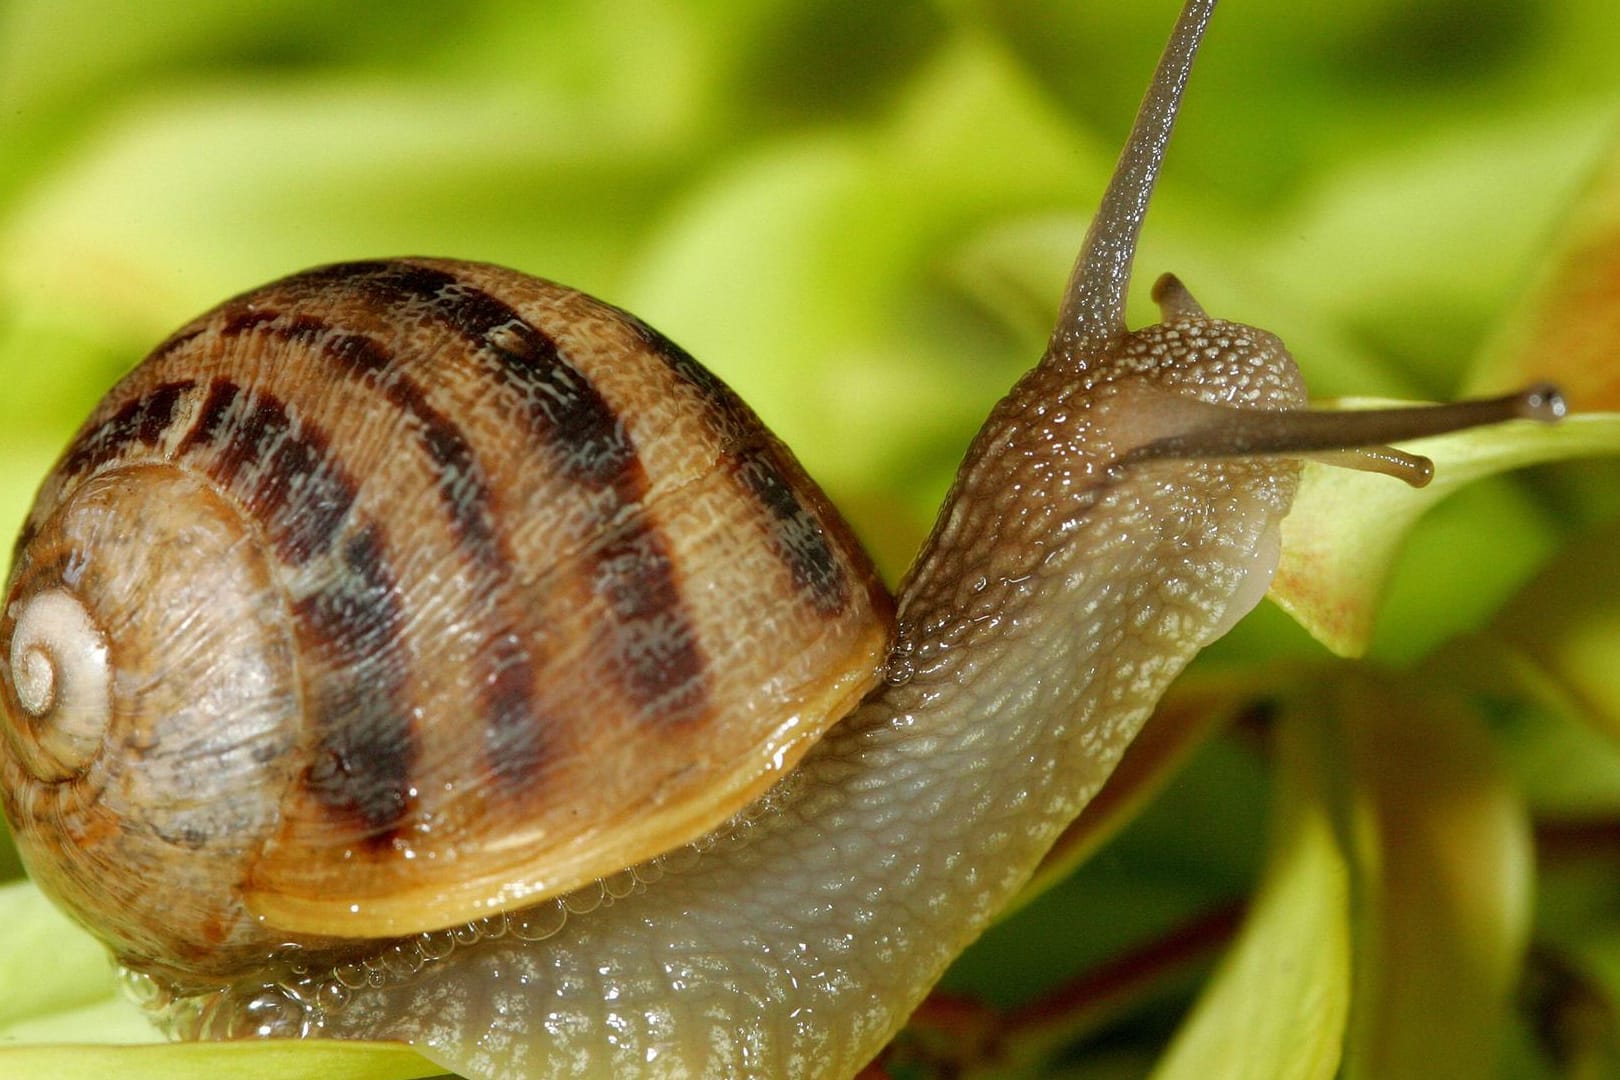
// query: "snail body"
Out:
[510,608]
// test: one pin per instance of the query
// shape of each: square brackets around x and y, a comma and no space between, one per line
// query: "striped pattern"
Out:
[284,471]
[552,582]
[140,422]
[797,536]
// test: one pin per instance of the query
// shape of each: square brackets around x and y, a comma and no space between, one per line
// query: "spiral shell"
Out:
[394,594]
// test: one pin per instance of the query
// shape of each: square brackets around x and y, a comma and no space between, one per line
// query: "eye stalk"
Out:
[1349,439]
[1091,321]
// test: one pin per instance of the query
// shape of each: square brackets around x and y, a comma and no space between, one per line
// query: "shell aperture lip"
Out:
[60,669]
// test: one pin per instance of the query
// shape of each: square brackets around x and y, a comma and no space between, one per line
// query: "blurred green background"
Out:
[861,216]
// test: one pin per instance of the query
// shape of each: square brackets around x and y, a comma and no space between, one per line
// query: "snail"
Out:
[416,650]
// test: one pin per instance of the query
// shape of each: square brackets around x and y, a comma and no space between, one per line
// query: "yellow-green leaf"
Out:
[47,964]
[58,1003]
[1567,622]
[1567,766]
[1346,528]
[1567,328]
[208,1061]
[1278,1004]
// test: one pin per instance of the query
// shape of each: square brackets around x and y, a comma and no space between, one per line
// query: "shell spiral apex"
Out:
[59,664]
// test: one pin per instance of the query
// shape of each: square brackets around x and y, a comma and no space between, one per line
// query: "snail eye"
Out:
[59,668]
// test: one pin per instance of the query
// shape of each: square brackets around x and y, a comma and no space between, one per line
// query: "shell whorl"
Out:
[557,601]
[59,661]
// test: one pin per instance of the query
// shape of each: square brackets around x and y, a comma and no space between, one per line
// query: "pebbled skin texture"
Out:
[1050,610]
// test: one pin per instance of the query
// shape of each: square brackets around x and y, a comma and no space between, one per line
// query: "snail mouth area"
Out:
[140,818]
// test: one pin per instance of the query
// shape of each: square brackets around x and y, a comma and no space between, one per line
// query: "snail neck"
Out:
[911,823]
[1058,597]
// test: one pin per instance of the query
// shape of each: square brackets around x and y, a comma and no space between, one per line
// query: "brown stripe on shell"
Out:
[294,487]
[458,477]
[512,731]
[366,747]
[238,323]
[283,473]
[144,420]
[655,644]
[721,399]
[796,534]
[663,666]
[515,742]
[210,422]
[572,420]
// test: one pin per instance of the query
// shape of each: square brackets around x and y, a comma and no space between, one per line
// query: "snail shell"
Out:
[395,594]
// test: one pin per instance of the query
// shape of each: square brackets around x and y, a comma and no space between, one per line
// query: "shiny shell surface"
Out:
[426,589]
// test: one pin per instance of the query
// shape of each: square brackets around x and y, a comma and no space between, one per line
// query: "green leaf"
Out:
[206,1061]
[58,995]
[1567,623]
[1328,172]
[385,168]
[1346,528]
[110,1021]
[1278,1004]
[1567,327]
[1566,762]
[1426,283]
[78,973]
[126,40]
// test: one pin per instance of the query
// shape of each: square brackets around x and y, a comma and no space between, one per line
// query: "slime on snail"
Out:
[374,625]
